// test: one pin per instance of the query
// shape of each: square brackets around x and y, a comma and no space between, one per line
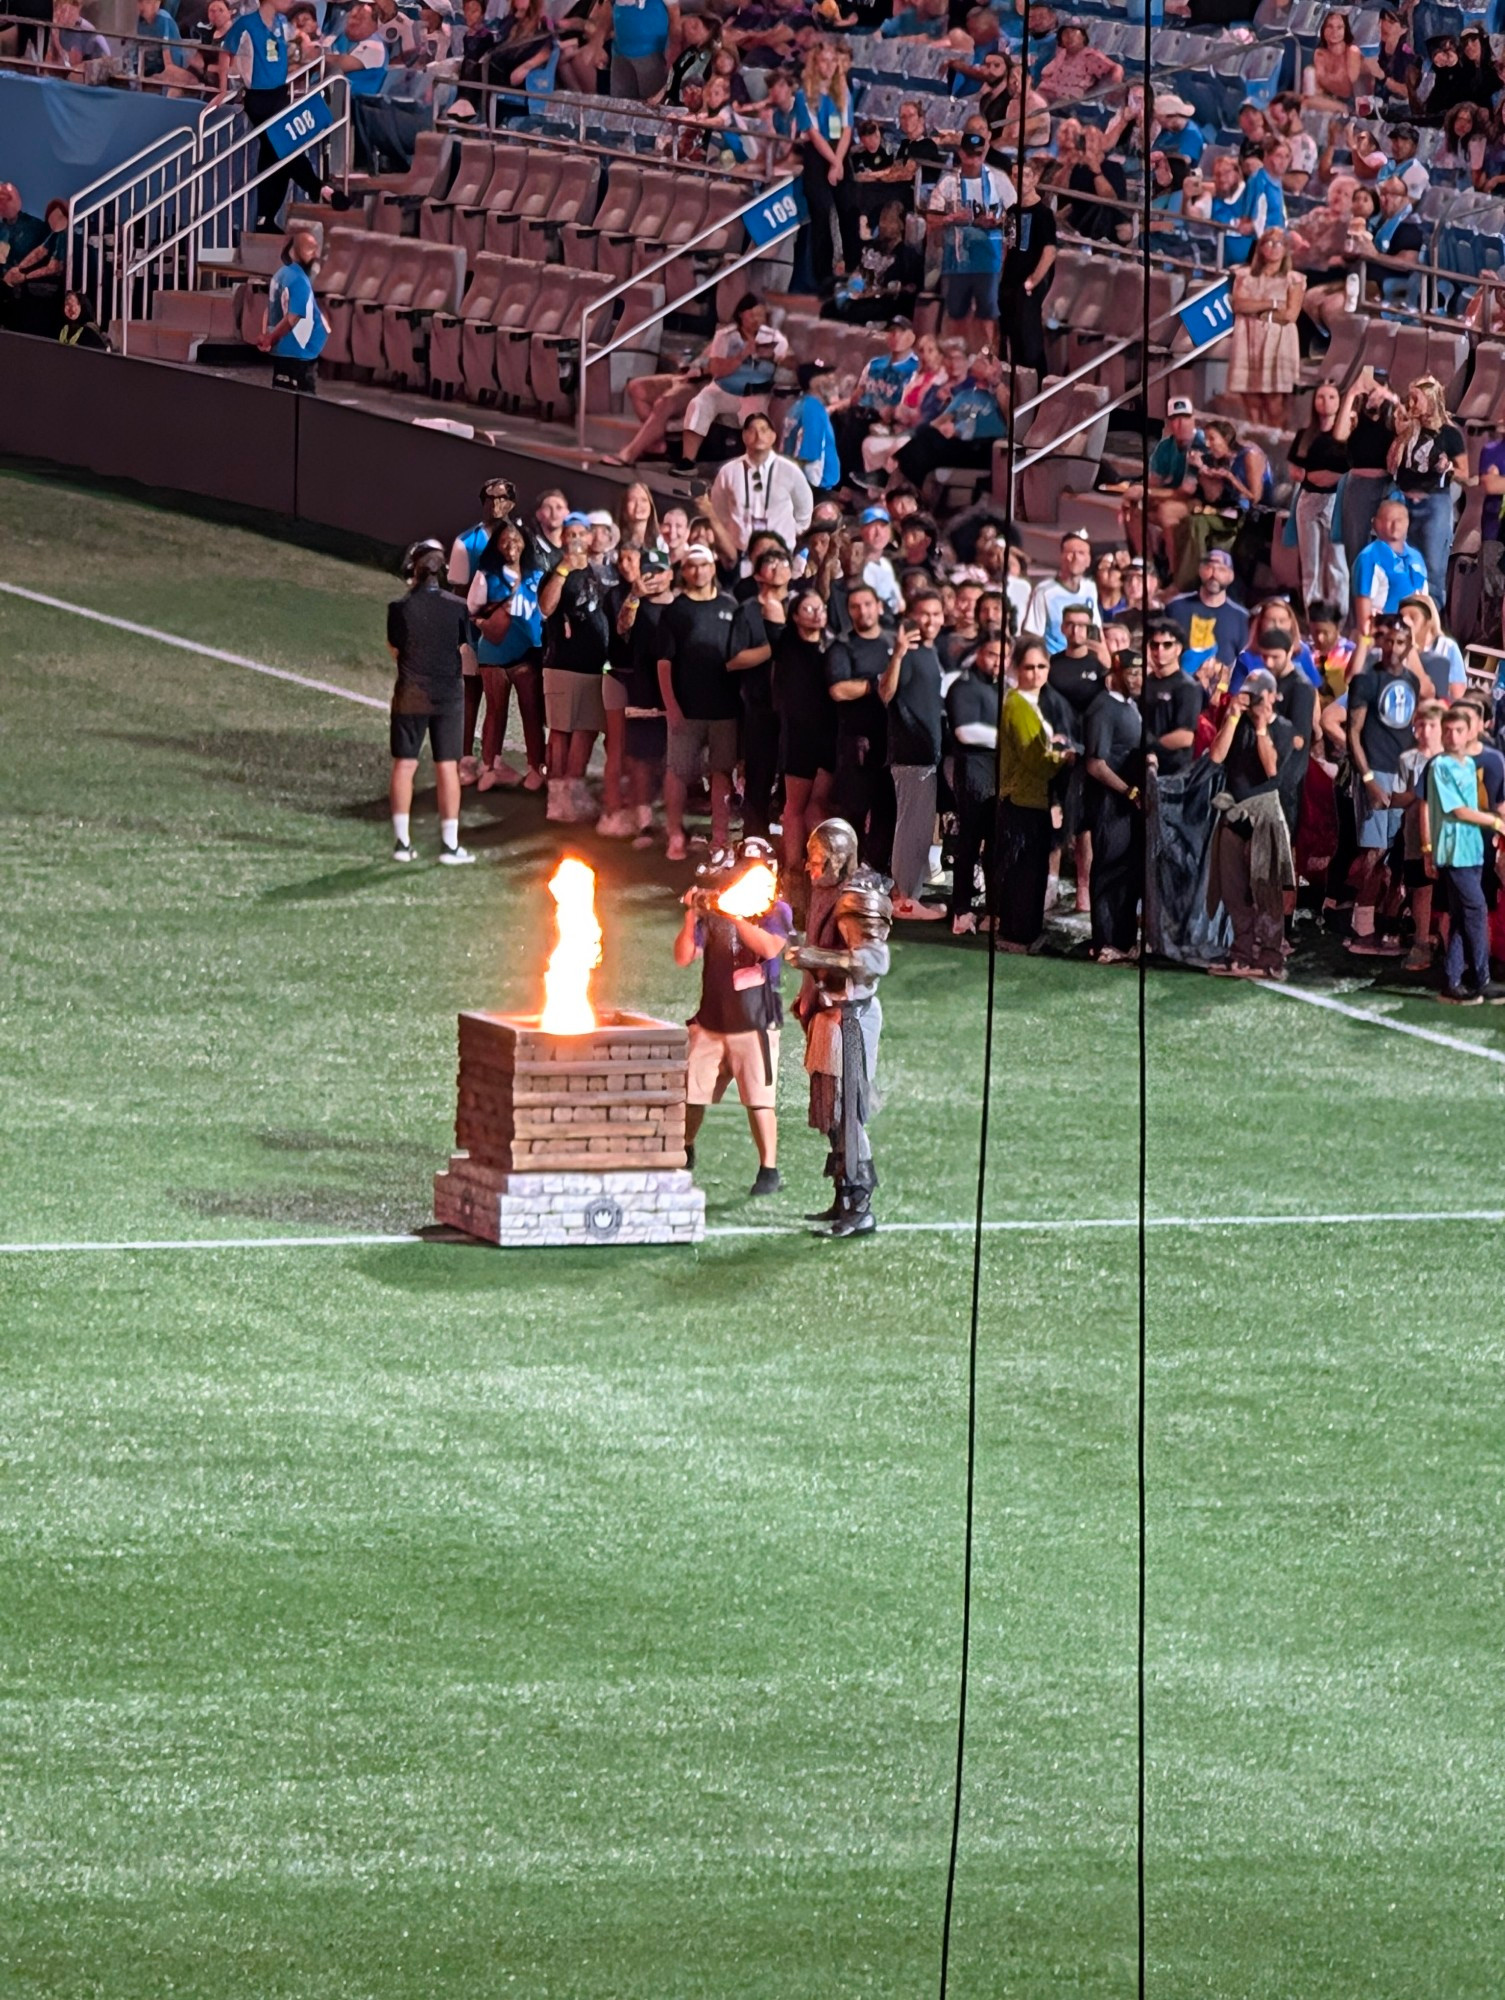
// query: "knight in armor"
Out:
[734,1033]
[844,955]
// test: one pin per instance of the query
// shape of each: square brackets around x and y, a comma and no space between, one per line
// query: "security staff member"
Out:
[257,46]
[734,1033]
[425,631]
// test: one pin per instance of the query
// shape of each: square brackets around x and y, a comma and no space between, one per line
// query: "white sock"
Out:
[449,832]
[400,828]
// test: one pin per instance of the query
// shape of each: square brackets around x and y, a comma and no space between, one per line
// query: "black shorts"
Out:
[646,738]
[288,372]
[444,728]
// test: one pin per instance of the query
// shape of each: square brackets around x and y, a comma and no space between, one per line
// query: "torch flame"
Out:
[566,983]
[752,894]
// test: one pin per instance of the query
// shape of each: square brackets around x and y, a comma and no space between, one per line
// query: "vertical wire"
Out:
[1141,1910]
[970,1504]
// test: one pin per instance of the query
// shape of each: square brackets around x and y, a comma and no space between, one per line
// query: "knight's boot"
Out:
[856,1217]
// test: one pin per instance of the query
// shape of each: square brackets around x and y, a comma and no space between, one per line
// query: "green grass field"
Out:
[409,1620]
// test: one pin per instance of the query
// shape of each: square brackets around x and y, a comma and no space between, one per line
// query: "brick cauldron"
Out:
[571,1139]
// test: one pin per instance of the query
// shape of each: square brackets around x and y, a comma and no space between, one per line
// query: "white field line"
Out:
[193,646]
[1325,1000]
[1045,1226]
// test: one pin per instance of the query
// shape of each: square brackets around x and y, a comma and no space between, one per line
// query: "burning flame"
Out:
[566,984]
[752,894]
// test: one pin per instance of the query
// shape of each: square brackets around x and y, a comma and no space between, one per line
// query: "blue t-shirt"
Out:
[363,82]
[1265,202]
[1219,632]
[966,249]
[268,46]
[1454,782]
[1187,144]
[810,441]
[884,382]
[640,27]
[164,30]
[1236,249]
[525,634]
[974,411]
[1385,577]
[291,291]
[912,22]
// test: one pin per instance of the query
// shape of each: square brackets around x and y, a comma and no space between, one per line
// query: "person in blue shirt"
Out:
[644,40]
[1387,569]
[296,329]
[1263,193]
[503,600]
[155,26]
[808,437]
[1230,206]
[967,428]
[1176,129]
[257,46]
[969,209]
[359,51]
[1456,831]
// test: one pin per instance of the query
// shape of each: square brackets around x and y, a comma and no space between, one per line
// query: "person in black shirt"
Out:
[1171,702]
[577,632]
[701,699]
[644,587]
[1096,173]
[1363,428]
[807,723]
[911,691]
[425,631]
[1251,867]
[1027,267]
[862,791]
[1077,678]
[972,715]
[1114,742]
[1296,701]
[1382,703]
[759,621]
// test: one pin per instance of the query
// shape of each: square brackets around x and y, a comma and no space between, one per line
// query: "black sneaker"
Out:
[1494,993]
[769,1181]
[404,850]
[1454,996]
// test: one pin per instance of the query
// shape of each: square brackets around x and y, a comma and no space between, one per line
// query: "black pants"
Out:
[270,195]
[976,840]
[760,768]
[863,795]
[826,204]
[1117,874]
[289,372]
[851,427]
[1024,838]
[928,449]
[1021,327]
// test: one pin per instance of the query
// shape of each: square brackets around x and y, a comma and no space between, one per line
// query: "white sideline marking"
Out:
[1325,1000]
[193,646]
[1019,1227]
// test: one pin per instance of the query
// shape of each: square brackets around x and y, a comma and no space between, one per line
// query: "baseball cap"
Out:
[577,520]
[601,517]
[697,552]
[1171,106]
[1220,558]
[654,562]
[807,371]
[1259,680]
[1077,535]
[873,514]
[442,8]
[1180,406]
[903,321]
[1127,658]
[766,336]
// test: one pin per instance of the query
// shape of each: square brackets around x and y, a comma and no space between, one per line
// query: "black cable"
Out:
[1010,450]
[1148,111]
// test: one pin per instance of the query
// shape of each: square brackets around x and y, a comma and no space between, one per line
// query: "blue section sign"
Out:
[300,122]
[1209,316]
[776,212]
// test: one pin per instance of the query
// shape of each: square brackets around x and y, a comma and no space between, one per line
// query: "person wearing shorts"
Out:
[734,1033]
[701,698]
[969,208]
[1382,702]
[426,630]
[577,631]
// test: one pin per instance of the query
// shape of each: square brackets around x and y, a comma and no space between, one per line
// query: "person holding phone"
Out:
[967,211]
[1252,865]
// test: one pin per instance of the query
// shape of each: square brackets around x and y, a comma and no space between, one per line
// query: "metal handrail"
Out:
[596,108]
[1115,348]
[1117,402]
[337,85]
[686,249]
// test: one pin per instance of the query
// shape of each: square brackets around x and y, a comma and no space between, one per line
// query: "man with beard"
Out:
[863,790]
[1115,769]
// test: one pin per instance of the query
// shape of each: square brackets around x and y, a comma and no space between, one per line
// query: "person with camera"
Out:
[734,1032]
[425,631]
[1252,867]
[910,690]
[968,209]
[577,634]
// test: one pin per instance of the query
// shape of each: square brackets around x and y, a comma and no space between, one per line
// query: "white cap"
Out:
[697,552]
[1180,406]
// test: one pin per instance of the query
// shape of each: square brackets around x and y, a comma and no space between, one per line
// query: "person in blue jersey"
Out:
[296,329]
[645,38]
[808,437]
[359,51]
[257,46]
[823,129]
[503,601]
[969,211]
[1262,167]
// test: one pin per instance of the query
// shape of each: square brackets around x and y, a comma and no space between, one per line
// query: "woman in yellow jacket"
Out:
[1029,756]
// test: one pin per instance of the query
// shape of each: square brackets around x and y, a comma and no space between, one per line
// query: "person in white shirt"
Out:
[876,531]
[743,360]
[761,489]
[1070,585]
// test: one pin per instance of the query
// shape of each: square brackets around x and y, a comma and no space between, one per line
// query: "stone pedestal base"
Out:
[514,1209]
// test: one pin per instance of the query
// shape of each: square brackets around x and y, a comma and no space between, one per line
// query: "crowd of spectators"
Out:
[1005,744]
